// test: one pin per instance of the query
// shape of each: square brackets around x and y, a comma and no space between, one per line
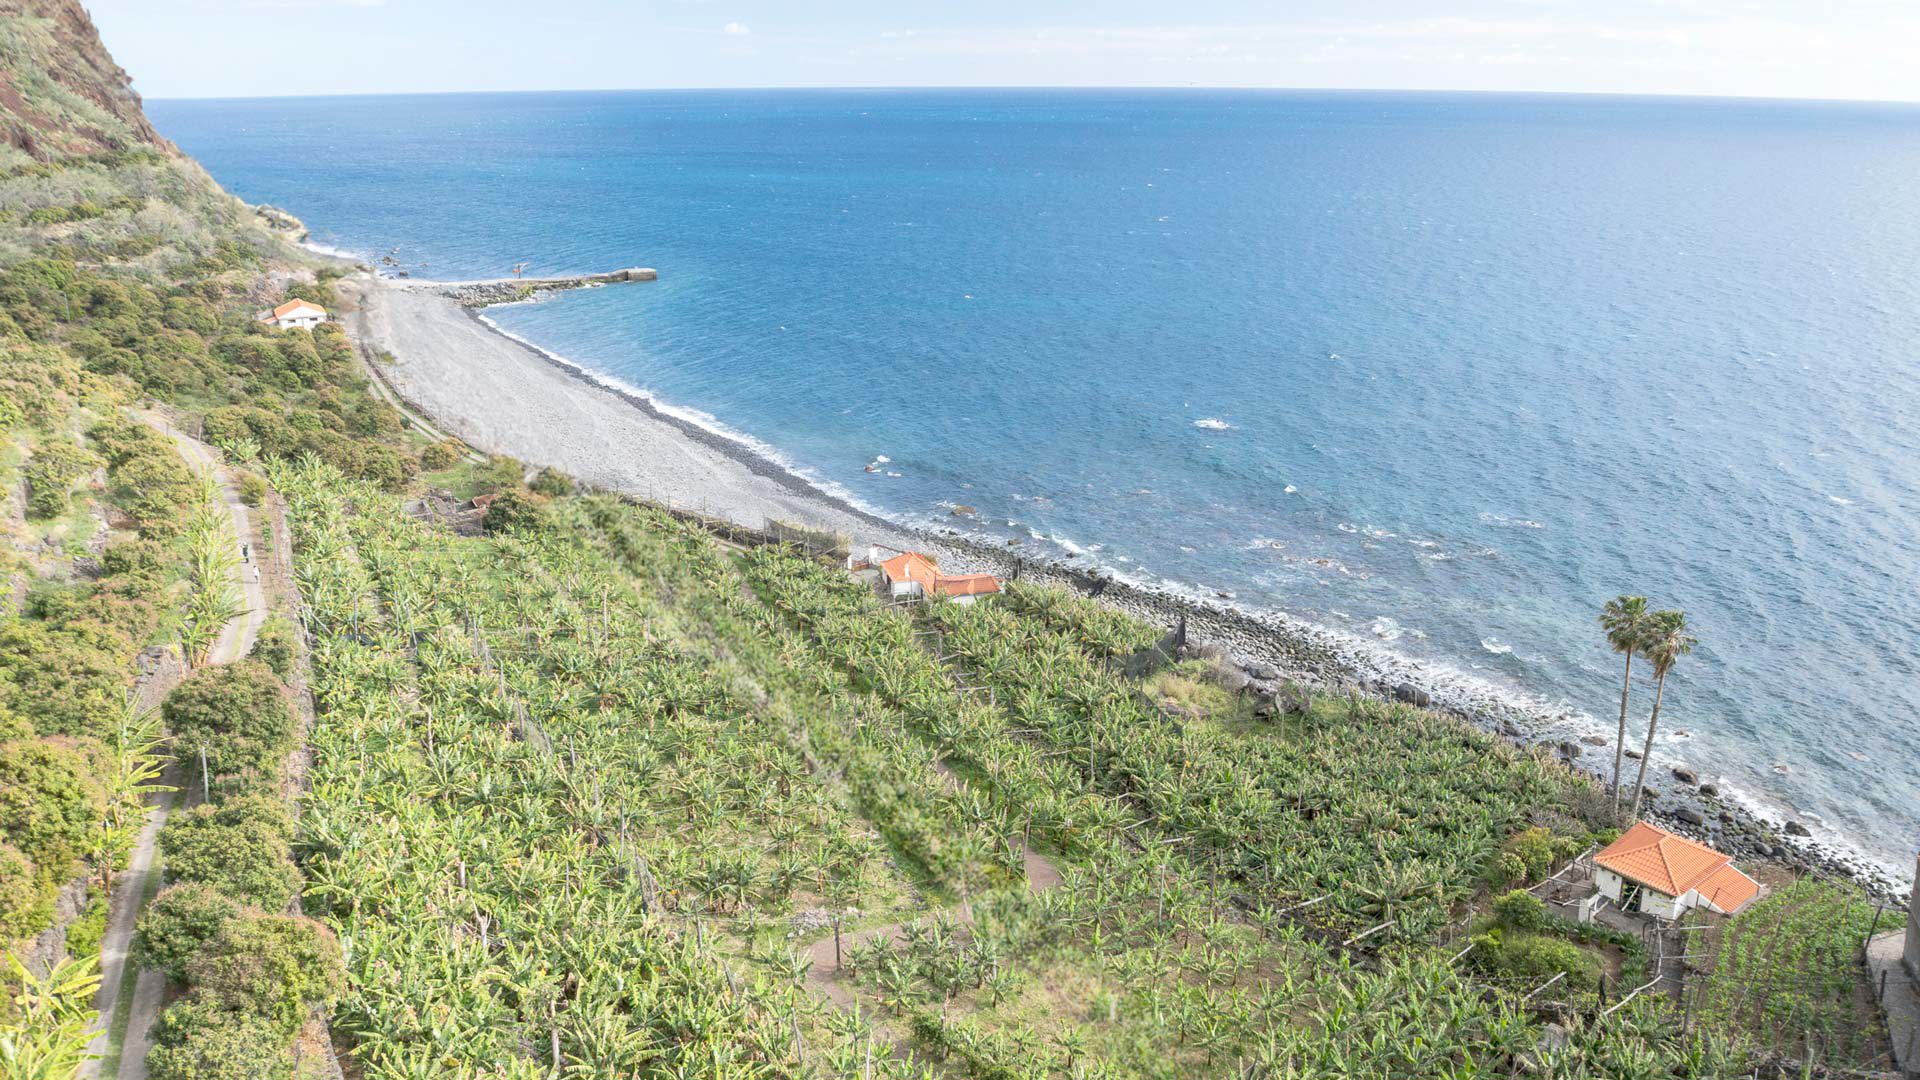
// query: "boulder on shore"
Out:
[1794,828]
[1686,776]
[1412,695]
[1231,678]
[1690,816]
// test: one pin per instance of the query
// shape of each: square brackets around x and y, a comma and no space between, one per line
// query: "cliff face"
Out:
[61,94]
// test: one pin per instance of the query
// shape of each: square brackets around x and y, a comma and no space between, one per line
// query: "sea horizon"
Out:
[1368,446]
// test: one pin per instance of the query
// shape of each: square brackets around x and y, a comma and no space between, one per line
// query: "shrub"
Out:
[26,902]
[50,473]
[515,511]
[440,455]
[85,933]
[552,482]
[70,681]
[49,803]
[274,646]
[1527,856]
[237,713]
[253,489]
[197,1039]
[275,967]
[1520,910]
[240,848]
[500,473]
[179,925]
[1534,957]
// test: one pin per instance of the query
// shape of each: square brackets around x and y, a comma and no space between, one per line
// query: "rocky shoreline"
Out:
[1274,648]
[1270,647]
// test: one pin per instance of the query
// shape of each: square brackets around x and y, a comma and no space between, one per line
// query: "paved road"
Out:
[130,891]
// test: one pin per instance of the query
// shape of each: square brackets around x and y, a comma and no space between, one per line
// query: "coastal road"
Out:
[136,884]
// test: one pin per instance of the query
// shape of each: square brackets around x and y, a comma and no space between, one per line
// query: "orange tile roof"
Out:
[1662,861]
[966,584]
[295,305]
[911,566]
[1728,889]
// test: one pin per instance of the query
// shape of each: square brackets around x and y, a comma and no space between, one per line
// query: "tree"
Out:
[199,1039]
[275,967]
[240,848]
[1667,641]
[238,714]
[179,924]
[1625,620]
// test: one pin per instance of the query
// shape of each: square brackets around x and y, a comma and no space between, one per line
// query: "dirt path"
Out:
[825,978]
[138,882]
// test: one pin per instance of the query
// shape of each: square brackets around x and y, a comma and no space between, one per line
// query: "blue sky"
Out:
[1766,48]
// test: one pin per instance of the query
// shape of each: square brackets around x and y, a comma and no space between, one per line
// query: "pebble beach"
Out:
[505,395]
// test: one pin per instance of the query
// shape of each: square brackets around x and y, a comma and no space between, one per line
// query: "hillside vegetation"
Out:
[589,791]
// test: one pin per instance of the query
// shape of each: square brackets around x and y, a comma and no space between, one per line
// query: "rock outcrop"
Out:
[61,93]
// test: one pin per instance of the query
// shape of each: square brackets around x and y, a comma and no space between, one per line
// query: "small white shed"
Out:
[1659,873]
[295,315]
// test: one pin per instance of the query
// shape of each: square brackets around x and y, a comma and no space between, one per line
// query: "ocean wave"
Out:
[1494,646]
[1212,423]
[1504,522]
[1373,657]
[708,423]
[332,252]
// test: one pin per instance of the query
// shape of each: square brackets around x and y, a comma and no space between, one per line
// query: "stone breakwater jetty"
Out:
[479,294]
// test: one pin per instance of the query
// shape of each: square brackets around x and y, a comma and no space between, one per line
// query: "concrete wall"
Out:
[1608,883]
[1913,927]
[1665,907]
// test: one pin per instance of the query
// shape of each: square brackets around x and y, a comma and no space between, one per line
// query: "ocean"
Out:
[1440,372]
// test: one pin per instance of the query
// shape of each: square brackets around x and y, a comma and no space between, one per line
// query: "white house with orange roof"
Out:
[911,574]
[295,315]
[1665,875]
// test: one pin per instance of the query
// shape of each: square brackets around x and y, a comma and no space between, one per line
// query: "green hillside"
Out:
[593,792]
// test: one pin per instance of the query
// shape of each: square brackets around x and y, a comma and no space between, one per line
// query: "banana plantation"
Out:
[607,797]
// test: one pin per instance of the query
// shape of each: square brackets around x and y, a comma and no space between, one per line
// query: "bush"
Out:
[50,474]
[253,489]
[179,925]
[441,455]
[515,511]
[238,713]
[26,902]
[240,848]
[85,933]
[1528,856]
[49,803]
[274,646]
[197,1039]
[553,483]
[1534,957]
[275,967]
[500,473]
[1520,910]
[70,681]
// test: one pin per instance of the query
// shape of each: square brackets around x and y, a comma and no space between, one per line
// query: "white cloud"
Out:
[737,29]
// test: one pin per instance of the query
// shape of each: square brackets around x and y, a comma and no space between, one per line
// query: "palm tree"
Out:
[1667,641]
[1625,620]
